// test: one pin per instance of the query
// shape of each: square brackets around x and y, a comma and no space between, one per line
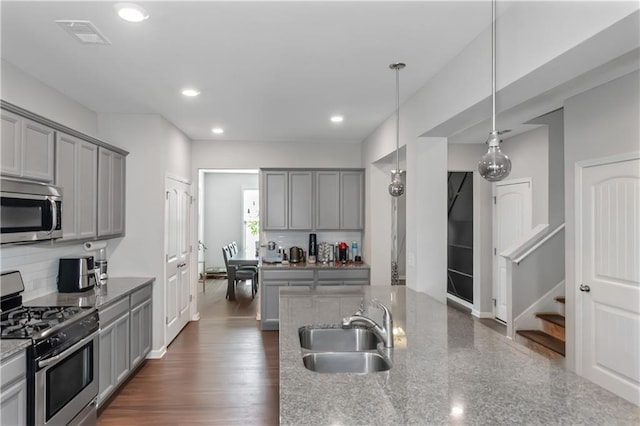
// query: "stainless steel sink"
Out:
[337,339]
[346,362]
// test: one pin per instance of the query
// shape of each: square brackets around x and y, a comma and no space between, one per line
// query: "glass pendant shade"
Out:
[494,165]
[396,187]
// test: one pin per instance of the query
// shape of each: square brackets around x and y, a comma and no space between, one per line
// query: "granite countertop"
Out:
[115,289]
[301,265]
[9,347]
[447,368]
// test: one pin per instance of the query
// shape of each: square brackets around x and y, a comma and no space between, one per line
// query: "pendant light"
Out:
[396,187]
[494,165]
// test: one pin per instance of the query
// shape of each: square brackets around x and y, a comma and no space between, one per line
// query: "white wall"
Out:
[223,214]
[599,123]
[531,34]
[157,150]
[25,91]
[529,154]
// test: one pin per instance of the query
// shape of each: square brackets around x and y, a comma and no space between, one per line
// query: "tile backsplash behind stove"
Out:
[38,264]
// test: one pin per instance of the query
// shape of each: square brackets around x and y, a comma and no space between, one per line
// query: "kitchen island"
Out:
[447,368]
[274,276]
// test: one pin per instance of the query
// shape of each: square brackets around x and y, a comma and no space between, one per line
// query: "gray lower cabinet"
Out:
[114,348]
[272,280]
[140,325]
[125,339]
[13,390]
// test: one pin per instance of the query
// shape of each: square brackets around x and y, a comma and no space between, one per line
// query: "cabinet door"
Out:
[11,140]
[351,200]
[140,332]
[300,200]
[117,194]
[270,309]
[275,209]
[111,176]
[106,374]
[327,199]
[136,331]
[13,404]
[77,174]
[13,390]
[121,348]
[37,151]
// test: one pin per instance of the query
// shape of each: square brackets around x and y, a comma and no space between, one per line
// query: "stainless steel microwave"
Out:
[29,211]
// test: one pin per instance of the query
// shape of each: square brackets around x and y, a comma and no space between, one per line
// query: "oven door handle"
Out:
[54,359]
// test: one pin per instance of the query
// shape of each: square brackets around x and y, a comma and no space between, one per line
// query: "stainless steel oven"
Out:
[66,384]
[29,211]
[62,359]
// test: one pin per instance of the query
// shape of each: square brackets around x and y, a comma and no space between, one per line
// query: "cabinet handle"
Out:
[585,288]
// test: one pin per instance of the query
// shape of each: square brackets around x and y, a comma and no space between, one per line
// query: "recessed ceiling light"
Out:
[190,92]
[337,119]
[217,130]
[131,12]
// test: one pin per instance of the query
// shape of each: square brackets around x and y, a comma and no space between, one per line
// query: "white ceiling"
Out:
[267,70]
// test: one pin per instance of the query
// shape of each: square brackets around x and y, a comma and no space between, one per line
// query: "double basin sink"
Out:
[334,349]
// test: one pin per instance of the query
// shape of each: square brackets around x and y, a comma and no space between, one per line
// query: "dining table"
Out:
[242,258]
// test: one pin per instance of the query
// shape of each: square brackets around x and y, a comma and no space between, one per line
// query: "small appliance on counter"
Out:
[312,249]
[273,255]
[296,255]
[76,274]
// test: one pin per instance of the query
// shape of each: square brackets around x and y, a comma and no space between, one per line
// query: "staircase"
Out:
[550,340]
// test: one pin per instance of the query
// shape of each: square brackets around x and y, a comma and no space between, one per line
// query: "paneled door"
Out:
[608,287]
[177,256]
[512,217]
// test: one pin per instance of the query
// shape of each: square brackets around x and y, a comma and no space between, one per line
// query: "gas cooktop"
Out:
[25,322]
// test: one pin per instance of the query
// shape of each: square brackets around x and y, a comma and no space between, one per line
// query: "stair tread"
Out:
[557,319]
[560,299]
[544,339]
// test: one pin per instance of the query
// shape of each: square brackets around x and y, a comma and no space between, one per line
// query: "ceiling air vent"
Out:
[84,31]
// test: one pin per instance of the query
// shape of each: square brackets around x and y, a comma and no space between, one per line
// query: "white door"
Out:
[512,211]
[608,290]
[177,255]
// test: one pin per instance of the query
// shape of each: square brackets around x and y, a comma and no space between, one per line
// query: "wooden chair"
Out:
[240,273]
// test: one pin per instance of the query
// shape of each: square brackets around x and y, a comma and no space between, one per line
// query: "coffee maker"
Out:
[273,255]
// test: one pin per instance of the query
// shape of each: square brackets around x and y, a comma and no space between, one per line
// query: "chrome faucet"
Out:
[384,333]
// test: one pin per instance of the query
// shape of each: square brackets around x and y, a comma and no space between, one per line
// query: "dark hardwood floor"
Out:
[221,370]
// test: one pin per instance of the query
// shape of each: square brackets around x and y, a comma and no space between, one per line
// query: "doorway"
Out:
[512,218]
[608,275]
[460,238]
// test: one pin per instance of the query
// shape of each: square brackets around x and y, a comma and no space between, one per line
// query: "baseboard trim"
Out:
[157,354]
[480,314]
[460,301]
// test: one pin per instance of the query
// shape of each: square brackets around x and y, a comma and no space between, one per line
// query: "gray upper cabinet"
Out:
[77,174]
[111,195]
[27,148]
[351,199]
[327,200]
[275,208]
[300,200]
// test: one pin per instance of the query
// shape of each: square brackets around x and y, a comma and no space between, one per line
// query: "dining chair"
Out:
[240,273]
